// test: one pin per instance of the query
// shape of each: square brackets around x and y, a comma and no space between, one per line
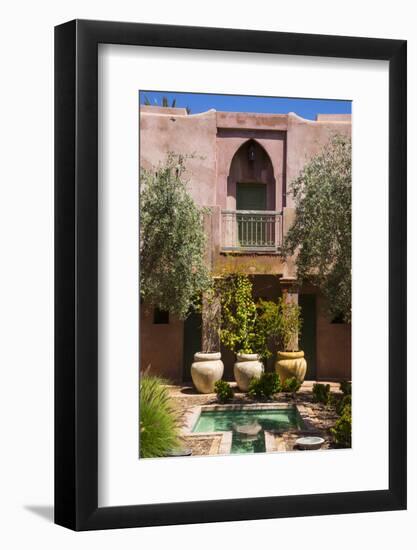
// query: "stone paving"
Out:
[318,418]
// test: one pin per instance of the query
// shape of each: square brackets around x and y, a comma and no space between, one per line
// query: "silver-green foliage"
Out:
[323,224]
[279,324]
[159,431]
[173,273]
[289,323]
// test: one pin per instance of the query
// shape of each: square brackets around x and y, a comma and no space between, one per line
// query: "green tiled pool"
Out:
[229,420]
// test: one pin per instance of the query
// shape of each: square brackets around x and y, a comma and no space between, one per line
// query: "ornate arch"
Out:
[251,164]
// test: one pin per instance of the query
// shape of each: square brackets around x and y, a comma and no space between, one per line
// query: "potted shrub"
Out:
[290,361]
[239,329]
[207,368]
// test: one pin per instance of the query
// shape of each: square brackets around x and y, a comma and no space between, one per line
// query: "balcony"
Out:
[251,231]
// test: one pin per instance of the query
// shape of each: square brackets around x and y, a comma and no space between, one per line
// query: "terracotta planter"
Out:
[291,364]
[206,370]
[247,367]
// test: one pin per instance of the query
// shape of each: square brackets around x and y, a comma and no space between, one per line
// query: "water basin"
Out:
[269,419]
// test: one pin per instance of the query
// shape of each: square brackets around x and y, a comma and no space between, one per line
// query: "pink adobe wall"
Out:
[161,346]
[333,342]
[251,121]
[215,137]
[185,134]
[333,347]
[306,138]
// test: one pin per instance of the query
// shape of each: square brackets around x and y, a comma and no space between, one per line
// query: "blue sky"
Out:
[198,103]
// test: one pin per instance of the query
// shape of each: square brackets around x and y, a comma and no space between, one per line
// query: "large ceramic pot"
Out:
[206,370]
[246,368]
[291,364]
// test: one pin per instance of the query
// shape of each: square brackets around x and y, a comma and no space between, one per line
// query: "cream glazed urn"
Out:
[246,368]
[206,370]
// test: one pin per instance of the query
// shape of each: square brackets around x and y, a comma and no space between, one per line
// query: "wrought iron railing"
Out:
[251,230]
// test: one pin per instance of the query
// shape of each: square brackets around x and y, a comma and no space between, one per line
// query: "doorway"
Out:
[251,224]
[307,302]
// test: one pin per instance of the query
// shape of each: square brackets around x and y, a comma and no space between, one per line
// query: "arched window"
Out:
[249,222]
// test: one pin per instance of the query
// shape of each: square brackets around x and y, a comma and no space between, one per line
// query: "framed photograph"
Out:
[230,254]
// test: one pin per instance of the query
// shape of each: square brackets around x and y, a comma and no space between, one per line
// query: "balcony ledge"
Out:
[225,251]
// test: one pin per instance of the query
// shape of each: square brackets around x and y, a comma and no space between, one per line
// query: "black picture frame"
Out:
[76,271]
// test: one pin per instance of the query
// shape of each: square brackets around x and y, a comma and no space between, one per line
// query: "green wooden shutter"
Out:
[251,196]
[251,227]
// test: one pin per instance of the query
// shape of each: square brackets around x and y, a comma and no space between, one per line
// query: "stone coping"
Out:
[194,414]
[221,442]
[248,406]
[225,442]
[191,420]
[307,386]
[270,442]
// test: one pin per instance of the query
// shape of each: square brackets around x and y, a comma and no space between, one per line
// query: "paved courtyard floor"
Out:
[318,418]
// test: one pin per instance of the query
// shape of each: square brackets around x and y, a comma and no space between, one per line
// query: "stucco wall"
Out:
[333,342]
[214,138]
[188,135]
[306,138]
[161,346]
[333,347]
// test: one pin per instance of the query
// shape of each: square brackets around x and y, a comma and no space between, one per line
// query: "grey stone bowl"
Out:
[309,443]
[248,431]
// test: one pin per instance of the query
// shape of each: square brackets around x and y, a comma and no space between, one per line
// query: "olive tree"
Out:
[321,233]
[173,271]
